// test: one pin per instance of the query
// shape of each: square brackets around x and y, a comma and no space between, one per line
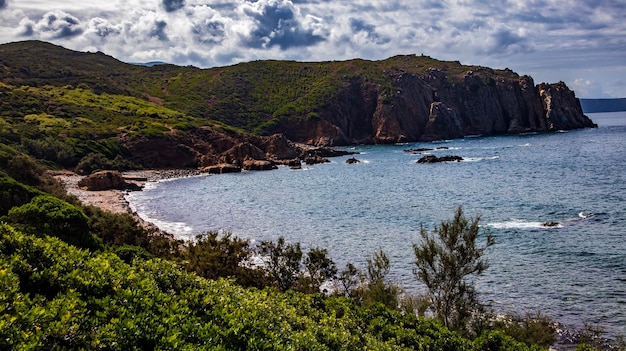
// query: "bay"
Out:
[574,272]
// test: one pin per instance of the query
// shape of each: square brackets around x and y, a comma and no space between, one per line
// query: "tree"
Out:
[319,269]
[377,289]
[214,257]
[446,260]
[282,262]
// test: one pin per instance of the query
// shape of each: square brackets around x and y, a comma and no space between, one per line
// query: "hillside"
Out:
[81,103]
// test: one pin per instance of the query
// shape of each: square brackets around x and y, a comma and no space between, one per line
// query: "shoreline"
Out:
[114,200]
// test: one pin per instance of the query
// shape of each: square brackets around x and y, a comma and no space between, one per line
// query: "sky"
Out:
[580,42]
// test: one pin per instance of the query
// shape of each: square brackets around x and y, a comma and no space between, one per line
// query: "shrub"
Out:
[14,193]
[445,261]
[47,215]
[376,288]
[96,161]
[214,257]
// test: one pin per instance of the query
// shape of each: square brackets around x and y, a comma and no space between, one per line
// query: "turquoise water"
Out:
[575,272]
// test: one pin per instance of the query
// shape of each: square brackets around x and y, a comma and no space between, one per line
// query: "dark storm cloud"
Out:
[276,24]
[359,25]
[3,4]
[504,40]
[158,30]
[172,5]
[58,25]
[210,32]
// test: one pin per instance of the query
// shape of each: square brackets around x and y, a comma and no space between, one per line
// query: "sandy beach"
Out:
[114,200]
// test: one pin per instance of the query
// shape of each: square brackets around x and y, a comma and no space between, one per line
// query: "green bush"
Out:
[47,215]
[96,161]
[213,257]
[14,193]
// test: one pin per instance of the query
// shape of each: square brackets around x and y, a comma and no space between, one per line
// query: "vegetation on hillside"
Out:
[255,96]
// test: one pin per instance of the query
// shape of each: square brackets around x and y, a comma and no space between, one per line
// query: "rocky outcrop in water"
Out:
[435,159]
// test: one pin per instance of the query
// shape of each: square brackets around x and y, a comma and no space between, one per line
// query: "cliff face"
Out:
[433,107]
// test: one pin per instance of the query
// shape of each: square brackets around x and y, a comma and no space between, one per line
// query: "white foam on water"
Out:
[521,224]
[477,159]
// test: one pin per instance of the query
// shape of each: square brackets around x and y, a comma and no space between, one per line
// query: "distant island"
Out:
[603,105]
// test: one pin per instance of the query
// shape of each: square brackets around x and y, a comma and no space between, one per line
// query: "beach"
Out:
[114,200]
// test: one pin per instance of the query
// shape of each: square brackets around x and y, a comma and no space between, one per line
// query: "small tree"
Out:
[282,262]
[445,260]
[319,269]
[212,257]
[377,289]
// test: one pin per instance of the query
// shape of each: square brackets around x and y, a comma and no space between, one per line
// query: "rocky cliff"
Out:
[432,106]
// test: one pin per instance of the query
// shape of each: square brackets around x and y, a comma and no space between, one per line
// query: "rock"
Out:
[435,159]
[424,149]
[239,153]
[221,168]
[106,180]
[562,108]
[315,159]
[278,147]
[352,160]
[437,104]
[327,152]
[258,165]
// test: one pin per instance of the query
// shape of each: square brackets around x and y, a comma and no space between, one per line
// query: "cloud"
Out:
[505,40]
[277,23]
[53,25]
[360,26]
[173,5]
[102,27]
[539,37]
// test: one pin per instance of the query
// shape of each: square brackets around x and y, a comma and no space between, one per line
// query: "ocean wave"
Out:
[477,159]
[520,224]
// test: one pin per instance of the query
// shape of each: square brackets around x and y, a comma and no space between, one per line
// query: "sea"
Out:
[573,271]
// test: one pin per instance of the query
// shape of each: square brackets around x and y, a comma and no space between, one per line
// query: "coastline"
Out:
[114,200]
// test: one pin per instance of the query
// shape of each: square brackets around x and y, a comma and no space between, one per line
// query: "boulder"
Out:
[278,147]
[221,169]
[241,152]
[435,159]
[315,159]
[258,165]
[352,160]
[106,180]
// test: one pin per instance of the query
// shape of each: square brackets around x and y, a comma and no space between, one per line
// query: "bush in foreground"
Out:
[55,296]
